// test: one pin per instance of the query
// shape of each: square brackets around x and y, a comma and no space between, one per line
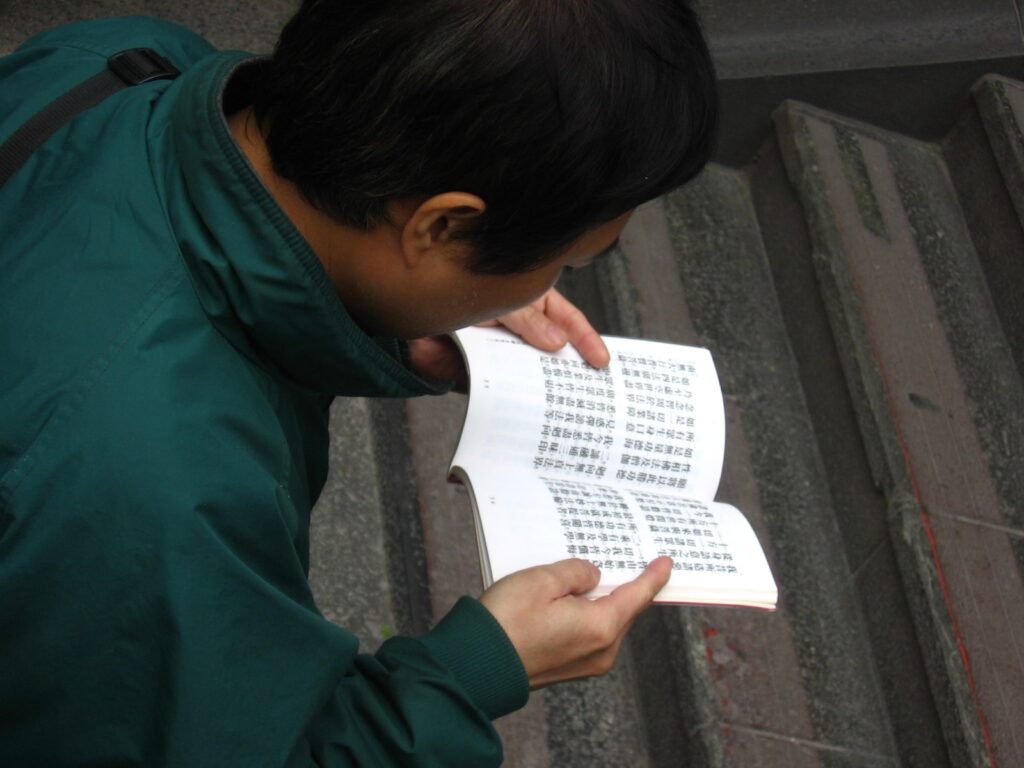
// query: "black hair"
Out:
[560,114]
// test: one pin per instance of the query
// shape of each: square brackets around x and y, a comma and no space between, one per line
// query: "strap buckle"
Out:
[141,65]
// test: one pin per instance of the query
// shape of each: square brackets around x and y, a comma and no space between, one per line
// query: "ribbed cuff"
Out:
[470,642]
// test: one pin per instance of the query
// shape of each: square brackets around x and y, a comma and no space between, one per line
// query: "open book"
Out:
[617,465]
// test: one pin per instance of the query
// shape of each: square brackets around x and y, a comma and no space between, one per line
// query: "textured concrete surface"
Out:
[982,183]
[367,562]
[1000,112]
[1001,106]
[747,39]
[723,266]
[920,100]
[771,38]
[859,506]
[924,343]
[233,24]
[348,558]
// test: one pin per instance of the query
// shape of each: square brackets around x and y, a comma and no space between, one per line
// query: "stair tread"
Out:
[905,292]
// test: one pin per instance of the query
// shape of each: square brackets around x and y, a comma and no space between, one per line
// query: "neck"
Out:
[313,225]
[353,258]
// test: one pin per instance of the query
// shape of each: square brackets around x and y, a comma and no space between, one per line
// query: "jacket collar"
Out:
[251,267]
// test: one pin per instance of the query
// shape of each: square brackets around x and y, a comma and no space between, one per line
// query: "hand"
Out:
[552,320]
[560,635]
[547,323]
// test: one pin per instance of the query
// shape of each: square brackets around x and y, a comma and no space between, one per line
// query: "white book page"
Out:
[652,420]
[526,520]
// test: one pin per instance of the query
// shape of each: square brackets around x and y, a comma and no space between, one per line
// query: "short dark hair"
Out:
[561,114]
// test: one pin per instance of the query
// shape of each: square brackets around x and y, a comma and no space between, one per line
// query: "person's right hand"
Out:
[559,634]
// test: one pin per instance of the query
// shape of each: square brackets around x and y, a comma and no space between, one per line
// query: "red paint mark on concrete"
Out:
[709,633]
[932,543]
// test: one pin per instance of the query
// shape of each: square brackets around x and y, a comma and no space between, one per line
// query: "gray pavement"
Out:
[229,25]
[759,37]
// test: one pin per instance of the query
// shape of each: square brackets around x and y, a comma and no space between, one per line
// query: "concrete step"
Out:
[367,561]
[758,39]
[348,566]
[218,22]
[858,505]
[797,687]
[938,402]
[985,156]
[1000,103]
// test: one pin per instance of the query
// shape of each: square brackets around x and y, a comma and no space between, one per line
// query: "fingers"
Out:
[581,334]
[551,321]
[560,635]
[571,577]
[534,327]
[630,599]
[437,357]
[601,634]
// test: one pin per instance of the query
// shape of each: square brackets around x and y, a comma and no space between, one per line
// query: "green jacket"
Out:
[168,348]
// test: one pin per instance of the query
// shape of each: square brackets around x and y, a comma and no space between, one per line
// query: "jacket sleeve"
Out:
[165,619]
[434,695]
[255,654]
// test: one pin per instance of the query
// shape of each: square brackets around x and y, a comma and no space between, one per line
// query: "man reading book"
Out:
[194,266]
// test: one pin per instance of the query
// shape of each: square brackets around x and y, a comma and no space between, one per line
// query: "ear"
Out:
[429,228]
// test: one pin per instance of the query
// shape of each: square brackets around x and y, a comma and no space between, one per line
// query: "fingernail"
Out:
[555,335]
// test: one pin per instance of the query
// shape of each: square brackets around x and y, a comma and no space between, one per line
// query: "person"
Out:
[192,268]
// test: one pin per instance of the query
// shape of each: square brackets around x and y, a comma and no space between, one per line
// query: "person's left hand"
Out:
[548,323]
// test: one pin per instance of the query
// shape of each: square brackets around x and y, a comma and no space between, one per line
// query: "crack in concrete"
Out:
[867,560]
[812,744]
[1008,530]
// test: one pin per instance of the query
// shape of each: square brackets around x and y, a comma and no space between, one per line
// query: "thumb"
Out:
[632,598]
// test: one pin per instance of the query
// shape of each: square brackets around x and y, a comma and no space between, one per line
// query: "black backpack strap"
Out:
[127,68]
